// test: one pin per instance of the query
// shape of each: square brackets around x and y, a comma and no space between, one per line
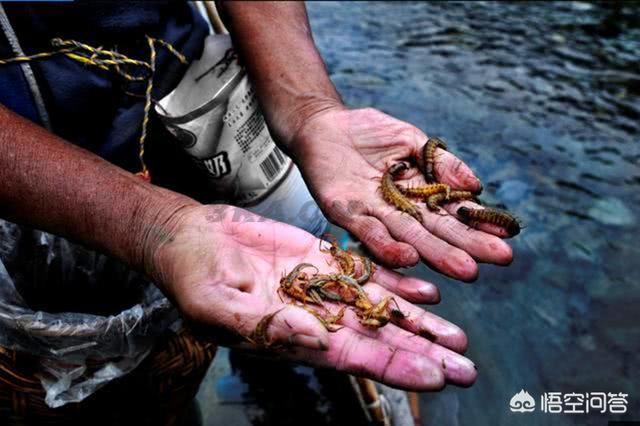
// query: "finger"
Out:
[439,254]
[457,369]
[417,181]
[354,353]
[484,227]
[412,289]
[267,326]
[481,245]
[375,236]
[450,169]
[293,325]
[421,322]
[484,247]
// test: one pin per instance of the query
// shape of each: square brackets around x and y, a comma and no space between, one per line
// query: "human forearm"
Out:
[55,186]
[275,43]
[343,153]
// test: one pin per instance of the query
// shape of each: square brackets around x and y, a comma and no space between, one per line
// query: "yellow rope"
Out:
[112,61]
[147,106]
[171,49]
[33,57]
[102,58]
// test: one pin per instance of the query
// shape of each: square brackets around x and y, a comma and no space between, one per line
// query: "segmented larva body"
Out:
[461,195]
[342,257]
[426,163]
[368,269]
[434,201]
[496,217]
[259,336]
[426,190]
[392,195]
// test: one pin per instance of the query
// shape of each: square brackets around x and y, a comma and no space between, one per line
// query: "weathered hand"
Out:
[343,154]
[222,266]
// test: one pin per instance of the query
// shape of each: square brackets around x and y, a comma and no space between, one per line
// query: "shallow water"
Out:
[543,102]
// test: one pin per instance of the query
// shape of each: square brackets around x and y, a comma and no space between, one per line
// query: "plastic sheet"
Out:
[80,350]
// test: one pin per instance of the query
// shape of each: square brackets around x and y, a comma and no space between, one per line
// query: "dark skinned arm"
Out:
[343,153]
[275,42]
[50,184]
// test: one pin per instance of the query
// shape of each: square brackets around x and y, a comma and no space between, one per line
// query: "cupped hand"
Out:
[342,155]
[222,266]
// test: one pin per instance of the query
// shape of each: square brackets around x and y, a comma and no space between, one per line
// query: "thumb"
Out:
[448,168]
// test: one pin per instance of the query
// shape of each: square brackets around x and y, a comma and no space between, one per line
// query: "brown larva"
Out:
[392,194]
[496,217]
[426,190]
[434,201]
[427,161]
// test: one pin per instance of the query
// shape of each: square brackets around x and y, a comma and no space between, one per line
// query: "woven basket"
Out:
[157,392]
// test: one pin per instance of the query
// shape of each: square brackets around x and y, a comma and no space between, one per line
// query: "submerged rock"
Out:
[497,85]
[513,191]
[611,211]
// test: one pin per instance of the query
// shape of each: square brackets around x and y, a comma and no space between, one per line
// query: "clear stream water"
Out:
[542,100]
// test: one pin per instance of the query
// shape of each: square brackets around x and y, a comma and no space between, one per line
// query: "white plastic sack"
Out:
[41,264]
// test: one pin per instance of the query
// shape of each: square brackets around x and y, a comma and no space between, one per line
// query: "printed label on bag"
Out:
[217,119]
[218,165]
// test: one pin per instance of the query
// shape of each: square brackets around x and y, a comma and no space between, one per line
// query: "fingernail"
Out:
[409,258]
[450,330]
[309,342]
[426,291]
[458,364]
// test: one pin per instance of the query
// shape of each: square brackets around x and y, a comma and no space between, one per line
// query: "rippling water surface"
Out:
[542,100]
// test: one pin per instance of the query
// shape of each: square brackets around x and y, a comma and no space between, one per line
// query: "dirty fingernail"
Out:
[409,257]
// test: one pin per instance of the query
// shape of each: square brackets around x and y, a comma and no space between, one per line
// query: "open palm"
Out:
[343,154]
[222,266]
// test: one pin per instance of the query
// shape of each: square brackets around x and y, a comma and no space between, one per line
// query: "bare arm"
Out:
[53,185]
[342,153]
[275,41]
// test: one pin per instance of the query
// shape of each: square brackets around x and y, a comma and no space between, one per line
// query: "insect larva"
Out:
[434,201]
[259,335]
[426,190]
[392,194]
[329,321]
[426,163]
[343,257]
[461,195]
[368,269]
[497,217]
